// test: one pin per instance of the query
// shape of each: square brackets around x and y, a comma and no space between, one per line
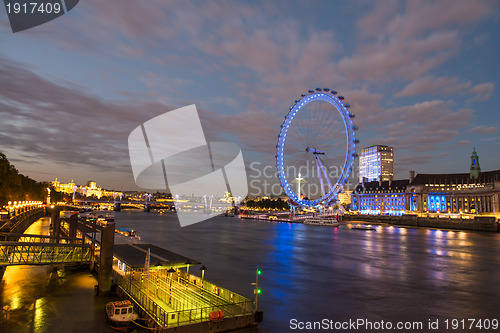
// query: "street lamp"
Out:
[170,271]
[188,262]
[202,269]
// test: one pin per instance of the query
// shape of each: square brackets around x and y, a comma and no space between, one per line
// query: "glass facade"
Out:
[376,161]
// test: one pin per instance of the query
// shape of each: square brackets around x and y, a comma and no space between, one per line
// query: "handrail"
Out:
[13,222]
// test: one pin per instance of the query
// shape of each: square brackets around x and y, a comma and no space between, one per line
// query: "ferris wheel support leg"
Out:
[323,169]
[319,166]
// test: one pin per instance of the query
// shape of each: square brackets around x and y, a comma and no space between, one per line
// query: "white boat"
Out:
[323,222]
[120,315]
[363,227]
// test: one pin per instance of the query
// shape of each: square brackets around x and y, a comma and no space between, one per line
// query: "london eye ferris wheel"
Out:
[316,148]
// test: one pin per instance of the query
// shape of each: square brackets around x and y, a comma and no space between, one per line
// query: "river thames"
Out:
[312,273]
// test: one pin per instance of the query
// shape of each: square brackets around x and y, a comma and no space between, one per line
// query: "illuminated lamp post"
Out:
[202,269]
[170,271]
[188,262]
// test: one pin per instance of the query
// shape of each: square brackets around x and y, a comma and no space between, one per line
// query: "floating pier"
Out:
[171,298]
[166,296]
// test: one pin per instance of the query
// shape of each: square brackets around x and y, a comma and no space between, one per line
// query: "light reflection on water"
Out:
[310,272]
[39,299]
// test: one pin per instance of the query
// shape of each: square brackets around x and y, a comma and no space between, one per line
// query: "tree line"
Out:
[18,187]
[278,204]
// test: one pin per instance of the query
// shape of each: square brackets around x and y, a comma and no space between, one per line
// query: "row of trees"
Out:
[17,187]
[277,204]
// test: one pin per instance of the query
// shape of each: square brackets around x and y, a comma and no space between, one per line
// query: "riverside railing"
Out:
[13,222]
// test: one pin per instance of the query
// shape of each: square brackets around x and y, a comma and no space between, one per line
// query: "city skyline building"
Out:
[376,163]
[475,192]
[91,189]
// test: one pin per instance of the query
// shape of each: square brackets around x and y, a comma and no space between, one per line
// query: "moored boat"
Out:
[120,315]
[363,227]
[323,222]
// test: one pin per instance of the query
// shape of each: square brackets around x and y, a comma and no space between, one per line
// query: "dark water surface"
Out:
[41,299]
[309,273]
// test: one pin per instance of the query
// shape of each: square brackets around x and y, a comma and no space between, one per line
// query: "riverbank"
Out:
[477,224]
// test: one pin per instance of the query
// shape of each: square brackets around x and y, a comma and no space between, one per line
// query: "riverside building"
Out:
[475,192]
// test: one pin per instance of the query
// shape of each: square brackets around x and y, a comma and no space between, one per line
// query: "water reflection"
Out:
[311,272]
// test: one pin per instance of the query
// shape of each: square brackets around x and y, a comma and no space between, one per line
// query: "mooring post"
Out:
[55,223]
[106,260]
[73,220]
[92,243]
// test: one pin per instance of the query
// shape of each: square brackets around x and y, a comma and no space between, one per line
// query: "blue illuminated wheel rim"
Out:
[335,100]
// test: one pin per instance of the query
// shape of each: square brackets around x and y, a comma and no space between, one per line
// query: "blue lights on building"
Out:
[380,198]
[476,192]
[437,202]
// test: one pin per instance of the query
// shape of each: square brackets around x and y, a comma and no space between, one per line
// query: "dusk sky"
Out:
[421,76]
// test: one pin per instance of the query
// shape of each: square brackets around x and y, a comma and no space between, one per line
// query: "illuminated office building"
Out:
[376,163]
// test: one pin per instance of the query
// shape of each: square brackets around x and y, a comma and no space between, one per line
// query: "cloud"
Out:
[447,86]
[400,59]
[434,85]
[482,91]
[366,105]
[405,40]
[411,160]
[483,130]
[418,18]
[482,38]
[461,143]
[244,64]
[65,125]
[421,127]
[376,20]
